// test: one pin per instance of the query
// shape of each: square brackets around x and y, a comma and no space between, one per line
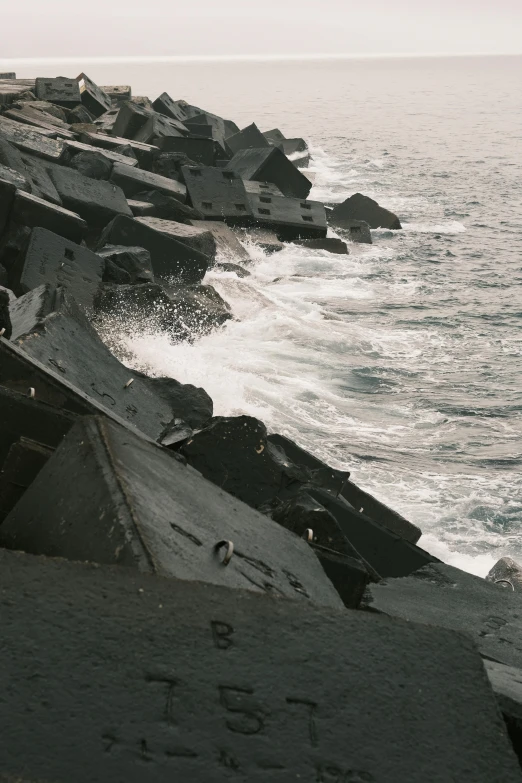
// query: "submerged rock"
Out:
[359,207]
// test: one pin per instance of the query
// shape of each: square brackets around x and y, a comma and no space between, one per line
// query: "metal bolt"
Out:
[128,383]
[505,582]
[2,331]
[308,535]
[230,550]
[31,393]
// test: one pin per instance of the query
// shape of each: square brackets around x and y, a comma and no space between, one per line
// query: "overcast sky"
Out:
[100,28]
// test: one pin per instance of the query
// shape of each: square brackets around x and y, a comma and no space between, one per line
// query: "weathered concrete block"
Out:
[347,574]
[132,118]
[118,93]
[66,342]
[506,573]
[190,403]
[506,682]
[63,91]
[13,177]
[359,207]
[151,524]
[50,258]
[331,244]
[106,122]
[92,164]
[135,261]
[359,230]
[192,236]
[40,120]
[8,75]
[75,147]
[198,309]
[248,138]
[7,197]
[290,218]
[22,464]
[167,208]
[52,112]
[227,243]
[218,194]
[203,151]
[12,90]
[41,183]
[96,201]
[357,497]
[170,108]
[170,258]
[386,552]
[80,116]
[444,596]
[158,127]
[32,140]
[269,164]
[169,164]
[262,188]
[6,327]
[302,705]
[95,100]
[144,152]
[31,308]
[26,417]
[237,269]
[22,373]
[133,181]
[234,453]
[30,211]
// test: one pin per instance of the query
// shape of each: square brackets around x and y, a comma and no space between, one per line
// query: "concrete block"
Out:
[170,108]
[74,147]
[31,308]
[170,258]
[31,140]
[8,75]
[359,207]
[30,211]
[51,111]
[118,93]
[237,686]
[49,258]
[331,244]
[190,403]
[106,122]
[274,136]
[26,417]
[22,464]
[198,310]
[35,170]
[506,682]
[237,269]
[91,164]
[21,373]
[80,116]
[141,208]
[387,553]
[198,238]
[39,121]
[134,180]
[358,230]
[7,196]
[202,151]
[158,127]
[227,244]
[507,574]
[5,316]
[65,341]
[169,164]
[248,138]
[12,89]
[443,596]
[142,100]
[9,175]
[290,218]
[218,194]
[129,119]
[140,526]
[134,261]
[167,208]
[262,188]
[144,152]
[96,201]
[95,100]
[269,164]
[65,92]
[144,305]
[347,574]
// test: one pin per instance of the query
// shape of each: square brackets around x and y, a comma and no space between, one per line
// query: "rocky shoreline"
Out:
[188,596]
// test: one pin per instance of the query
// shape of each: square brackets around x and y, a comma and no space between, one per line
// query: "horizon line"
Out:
[137,59]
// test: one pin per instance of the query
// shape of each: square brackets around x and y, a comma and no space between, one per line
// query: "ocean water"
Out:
[401,362]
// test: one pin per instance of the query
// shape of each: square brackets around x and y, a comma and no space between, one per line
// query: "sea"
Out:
[401,362]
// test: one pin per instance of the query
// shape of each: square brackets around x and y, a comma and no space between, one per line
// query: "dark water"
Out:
[402,362]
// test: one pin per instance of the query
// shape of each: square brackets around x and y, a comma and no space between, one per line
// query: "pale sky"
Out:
[104,28]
